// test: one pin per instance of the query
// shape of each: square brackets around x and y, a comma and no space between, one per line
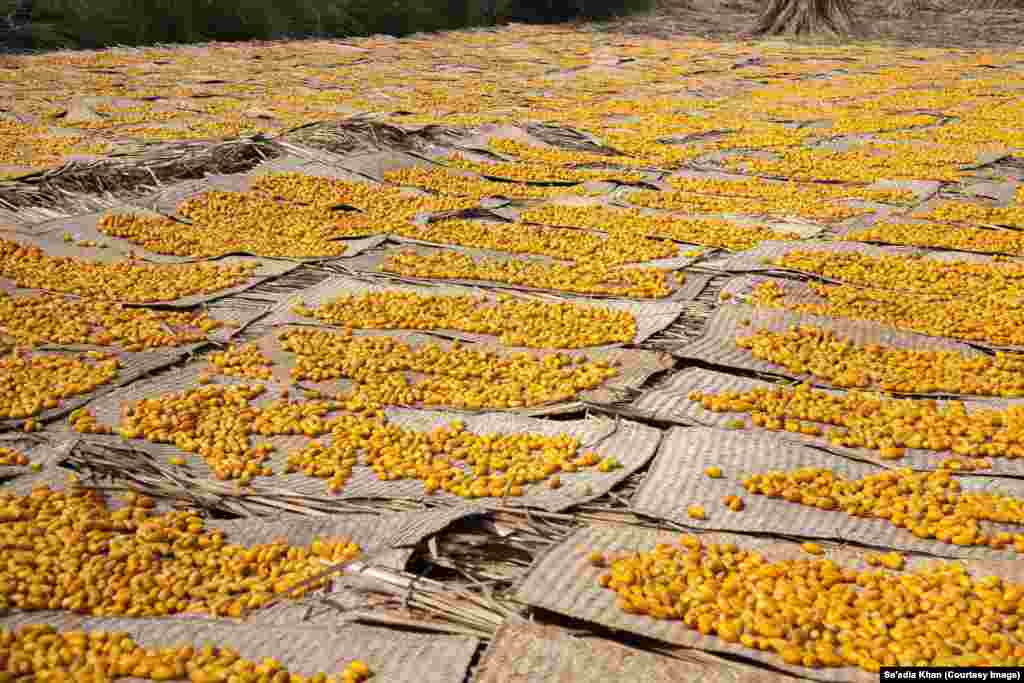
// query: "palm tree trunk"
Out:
[802,17]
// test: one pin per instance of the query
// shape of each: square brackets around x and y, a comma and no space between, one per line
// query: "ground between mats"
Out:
[535,653]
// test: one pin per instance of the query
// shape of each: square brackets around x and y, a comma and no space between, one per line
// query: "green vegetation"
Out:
[86,24]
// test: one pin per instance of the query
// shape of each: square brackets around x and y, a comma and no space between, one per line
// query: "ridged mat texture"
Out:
[86,227]
[42,450]
[386,541]
[371,263]
[52,242]
[756,259]
[631,443]
[392,656]
[668,401]
[800,293]
[634,367]
[651,317]
[677,479]
[717,343]
[848,232]
[564,581]
[133,366]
